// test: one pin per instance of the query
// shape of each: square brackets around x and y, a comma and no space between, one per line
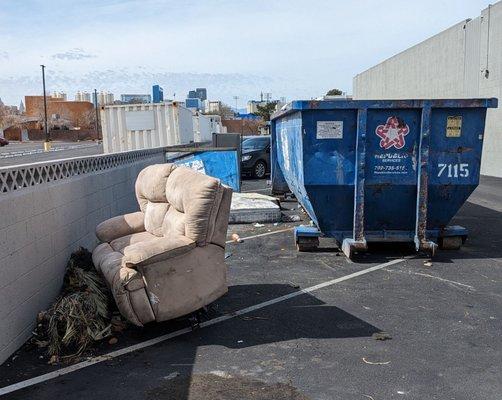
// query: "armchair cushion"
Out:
[155,250]
[198,197]
[121,225]
[122,242]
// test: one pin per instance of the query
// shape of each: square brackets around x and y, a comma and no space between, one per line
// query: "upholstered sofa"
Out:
[167,260]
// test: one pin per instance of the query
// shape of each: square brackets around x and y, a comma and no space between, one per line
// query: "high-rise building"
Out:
[194,103]
[105,98]
[82,96]
[158,94]
[136,98]
[59,95]
[252,106]
[213,106]
[201,93]
[21,107]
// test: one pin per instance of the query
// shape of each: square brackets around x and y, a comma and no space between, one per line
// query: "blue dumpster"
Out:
[375,171]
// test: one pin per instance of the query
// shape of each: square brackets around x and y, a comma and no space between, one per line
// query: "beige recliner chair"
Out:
[167,260]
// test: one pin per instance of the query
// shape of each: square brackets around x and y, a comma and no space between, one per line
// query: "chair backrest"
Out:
[179,200]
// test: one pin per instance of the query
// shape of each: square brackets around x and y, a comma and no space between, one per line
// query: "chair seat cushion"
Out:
[124,241]
[156,250]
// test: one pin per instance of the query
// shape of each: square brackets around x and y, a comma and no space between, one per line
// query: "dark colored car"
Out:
[255,159]
[3,142]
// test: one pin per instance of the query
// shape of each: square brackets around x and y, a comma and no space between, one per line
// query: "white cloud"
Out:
[73,54]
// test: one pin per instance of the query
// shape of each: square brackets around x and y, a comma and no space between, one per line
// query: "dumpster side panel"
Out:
[329,138]
[279,184]
[290,157]
[455,159]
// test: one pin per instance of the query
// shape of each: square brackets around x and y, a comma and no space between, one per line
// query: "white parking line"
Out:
[114,354]
[262,234]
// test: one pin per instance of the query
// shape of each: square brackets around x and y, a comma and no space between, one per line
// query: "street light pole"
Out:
[97,112]
[47,145]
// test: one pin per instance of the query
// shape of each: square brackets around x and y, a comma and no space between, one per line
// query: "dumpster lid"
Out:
[302,105]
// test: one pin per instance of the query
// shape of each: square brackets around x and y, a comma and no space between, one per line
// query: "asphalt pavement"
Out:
[17,153]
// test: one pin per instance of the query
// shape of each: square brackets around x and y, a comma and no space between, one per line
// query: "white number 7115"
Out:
[454,170]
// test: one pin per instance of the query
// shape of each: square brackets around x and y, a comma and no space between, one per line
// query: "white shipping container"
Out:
[202,128]
[143,126]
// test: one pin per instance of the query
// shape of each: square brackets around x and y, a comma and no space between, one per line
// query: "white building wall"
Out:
[451,64]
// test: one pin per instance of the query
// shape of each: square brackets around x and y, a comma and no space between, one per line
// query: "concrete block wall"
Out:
[41,225]
[451,64]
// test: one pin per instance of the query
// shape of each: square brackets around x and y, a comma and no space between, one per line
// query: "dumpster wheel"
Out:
[307,243]
[451,242]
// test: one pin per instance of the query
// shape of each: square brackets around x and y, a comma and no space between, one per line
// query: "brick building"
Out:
[76,114]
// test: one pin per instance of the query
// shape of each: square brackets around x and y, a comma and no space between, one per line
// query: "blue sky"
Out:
[291,48]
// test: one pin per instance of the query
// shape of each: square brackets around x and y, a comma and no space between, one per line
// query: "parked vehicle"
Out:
[255,159]
[3,142]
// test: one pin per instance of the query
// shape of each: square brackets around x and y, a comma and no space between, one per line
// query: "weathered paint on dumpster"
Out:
[381,170]
[219,163]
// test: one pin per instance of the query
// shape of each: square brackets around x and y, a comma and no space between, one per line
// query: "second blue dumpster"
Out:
[381,170]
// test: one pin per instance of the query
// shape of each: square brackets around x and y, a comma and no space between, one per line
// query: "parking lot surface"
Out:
[392,324]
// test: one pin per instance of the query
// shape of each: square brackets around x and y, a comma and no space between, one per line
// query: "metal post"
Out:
[97,112]
[47,145]
[421,240]
[358,241]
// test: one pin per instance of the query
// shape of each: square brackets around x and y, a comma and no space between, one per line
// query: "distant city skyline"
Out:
[233,48]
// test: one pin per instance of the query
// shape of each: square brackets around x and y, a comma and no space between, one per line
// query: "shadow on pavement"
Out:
[165,371]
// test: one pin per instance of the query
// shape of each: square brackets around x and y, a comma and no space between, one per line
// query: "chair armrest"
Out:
[155,250]
[121,225]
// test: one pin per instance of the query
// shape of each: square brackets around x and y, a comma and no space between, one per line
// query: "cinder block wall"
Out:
[42,225]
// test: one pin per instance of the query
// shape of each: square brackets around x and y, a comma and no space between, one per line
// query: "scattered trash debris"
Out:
[113,340]
[221,374]
[240,341]
[369,397]
[236,238]
[53,360]
[375,363]
[381,336]
[258,225]
[294,285]
[290,218]
[276,223]
[80,314]
[172,375]
[428,263]
[118,325]
[254,207]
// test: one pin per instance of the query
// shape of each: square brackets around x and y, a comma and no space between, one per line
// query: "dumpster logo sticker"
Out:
[392,133]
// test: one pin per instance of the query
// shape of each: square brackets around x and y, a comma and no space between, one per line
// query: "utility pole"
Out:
[236,98]
[97,112]
[47,144]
